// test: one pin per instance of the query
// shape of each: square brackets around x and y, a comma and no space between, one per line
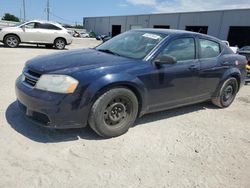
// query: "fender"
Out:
[98,87]
[232,72]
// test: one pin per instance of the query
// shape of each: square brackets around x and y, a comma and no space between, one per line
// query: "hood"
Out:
[82,58]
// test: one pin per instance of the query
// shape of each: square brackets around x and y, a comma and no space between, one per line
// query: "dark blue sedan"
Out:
[135,73]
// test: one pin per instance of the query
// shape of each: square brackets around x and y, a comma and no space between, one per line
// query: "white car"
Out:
[36,32]
[233,48]
[84,35]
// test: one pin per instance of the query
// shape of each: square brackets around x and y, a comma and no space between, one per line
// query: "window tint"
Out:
[182,49]
[209,49]
[49,26]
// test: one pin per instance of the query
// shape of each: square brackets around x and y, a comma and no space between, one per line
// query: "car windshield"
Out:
[18,24]
[133,44]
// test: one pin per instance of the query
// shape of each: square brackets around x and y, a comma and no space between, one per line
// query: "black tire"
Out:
[49,46]
[114,112]
[226,94]
[60,43]
[11,41]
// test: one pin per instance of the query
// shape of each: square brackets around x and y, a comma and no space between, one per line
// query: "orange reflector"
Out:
[72,88]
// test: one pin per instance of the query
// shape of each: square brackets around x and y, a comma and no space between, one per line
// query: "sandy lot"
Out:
[194,146]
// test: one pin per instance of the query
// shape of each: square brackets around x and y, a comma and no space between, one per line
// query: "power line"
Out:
[63,19]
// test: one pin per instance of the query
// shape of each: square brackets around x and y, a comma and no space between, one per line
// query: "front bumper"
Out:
[69,40]
[49,109]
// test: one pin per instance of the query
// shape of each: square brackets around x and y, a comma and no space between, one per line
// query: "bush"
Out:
[10,17]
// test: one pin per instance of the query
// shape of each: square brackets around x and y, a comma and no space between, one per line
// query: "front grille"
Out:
[31,77]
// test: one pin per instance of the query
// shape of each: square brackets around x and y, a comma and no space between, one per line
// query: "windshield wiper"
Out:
[108,51]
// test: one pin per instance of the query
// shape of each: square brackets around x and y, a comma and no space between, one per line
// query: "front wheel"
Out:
[226,94]
[60,43]
[114,112]
[11,41]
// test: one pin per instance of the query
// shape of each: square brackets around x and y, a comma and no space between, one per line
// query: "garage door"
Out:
[239,36]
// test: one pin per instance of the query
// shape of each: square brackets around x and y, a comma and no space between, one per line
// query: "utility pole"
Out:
[48,10]
[24,12]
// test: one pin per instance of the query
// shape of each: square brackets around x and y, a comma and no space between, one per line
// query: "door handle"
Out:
[193,67]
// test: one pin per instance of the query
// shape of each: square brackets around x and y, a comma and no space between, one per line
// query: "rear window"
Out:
[209,49]
[49,26]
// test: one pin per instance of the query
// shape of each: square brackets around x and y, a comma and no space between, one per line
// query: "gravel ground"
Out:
[194,146]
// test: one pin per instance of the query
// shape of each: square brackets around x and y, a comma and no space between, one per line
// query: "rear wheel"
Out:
[60,43]
[227,93]
[11,41]
[114,112]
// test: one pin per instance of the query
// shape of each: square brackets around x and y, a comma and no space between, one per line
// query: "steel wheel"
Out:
[114,112]
[117,111]
[226,94]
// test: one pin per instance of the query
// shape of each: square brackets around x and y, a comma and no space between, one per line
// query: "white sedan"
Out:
[36,32]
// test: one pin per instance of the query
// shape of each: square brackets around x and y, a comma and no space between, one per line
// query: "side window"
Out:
[209,49]
[50,27]
[30,25]
[182,49]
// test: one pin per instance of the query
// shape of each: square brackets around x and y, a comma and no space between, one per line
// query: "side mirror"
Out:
[165,59]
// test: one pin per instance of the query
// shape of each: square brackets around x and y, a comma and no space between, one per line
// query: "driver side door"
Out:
[175,84]
[30,33]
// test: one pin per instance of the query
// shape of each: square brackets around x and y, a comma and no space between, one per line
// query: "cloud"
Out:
[190,5]
[123,5]
[143,2]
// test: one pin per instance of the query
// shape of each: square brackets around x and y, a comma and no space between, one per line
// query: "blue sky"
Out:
[74,10]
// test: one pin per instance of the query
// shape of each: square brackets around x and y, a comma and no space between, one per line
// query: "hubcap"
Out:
[12,41]
[117,111]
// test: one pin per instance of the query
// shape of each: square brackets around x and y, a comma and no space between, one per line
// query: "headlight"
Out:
[57,83]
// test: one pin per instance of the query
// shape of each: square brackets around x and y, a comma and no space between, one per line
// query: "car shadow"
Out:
[157,116]
[31,47]
[17,120]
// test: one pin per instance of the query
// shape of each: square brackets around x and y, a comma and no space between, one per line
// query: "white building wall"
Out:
[218,22]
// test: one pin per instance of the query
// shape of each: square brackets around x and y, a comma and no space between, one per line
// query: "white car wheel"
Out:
[11,41]
[60,43]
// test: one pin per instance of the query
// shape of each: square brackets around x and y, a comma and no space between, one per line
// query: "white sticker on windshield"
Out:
[151,36]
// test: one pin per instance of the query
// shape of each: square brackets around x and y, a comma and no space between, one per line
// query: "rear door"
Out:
[210,67]
[48,33]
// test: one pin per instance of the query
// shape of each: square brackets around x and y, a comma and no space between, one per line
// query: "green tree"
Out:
[10,17]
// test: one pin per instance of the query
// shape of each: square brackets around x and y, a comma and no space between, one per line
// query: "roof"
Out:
[174,32]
